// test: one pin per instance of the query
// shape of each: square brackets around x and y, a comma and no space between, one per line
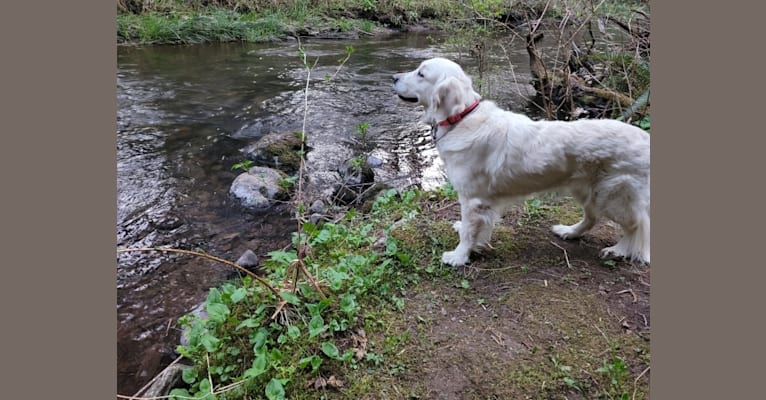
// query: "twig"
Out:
[566,257]
[601,332]
[203,255]
[635,298]
[349,50]
[279,308]
[209,378]
[635,382]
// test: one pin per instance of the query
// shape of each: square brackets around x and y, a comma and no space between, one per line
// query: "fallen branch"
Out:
[621,99]
[151,382]
[208,256]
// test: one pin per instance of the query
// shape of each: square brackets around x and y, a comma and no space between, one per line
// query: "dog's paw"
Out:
[617,253]
[565,232]
[454,258]
[456,226]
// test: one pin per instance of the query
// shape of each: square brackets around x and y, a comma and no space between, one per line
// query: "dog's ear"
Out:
[449,97]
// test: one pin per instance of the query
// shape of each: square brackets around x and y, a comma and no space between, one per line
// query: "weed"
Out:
[287,183]
[617,372]
[244,165]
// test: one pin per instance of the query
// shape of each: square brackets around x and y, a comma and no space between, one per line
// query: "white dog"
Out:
[494,157]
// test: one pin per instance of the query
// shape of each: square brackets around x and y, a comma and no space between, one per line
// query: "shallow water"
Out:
[184,114]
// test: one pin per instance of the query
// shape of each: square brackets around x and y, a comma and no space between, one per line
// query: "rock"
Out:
[258,188]
[316,218]
[355,172]
[166,222]
[248,260]
[317,207]
[356,177]
[374,162]
[277,150]
[321,185]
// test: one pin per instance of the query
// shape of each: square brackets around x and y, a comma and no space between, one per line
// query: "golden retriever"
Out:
[494,157]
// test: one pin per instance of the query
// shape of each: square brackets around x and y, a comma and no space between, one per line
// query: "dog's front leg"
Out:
[470,225]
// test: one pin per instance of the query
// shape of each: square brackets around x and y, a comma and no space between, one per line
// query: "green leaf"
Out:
[205,386]
[348,304]
[276,355]
[275,389]
[179,394]
[217,312]
[248,323]
[316,309]
[283,257]
[314,361]
[323,237]
[238,295]
[189,375]
[260,364]
[290,298]
[316,326]
[259,339]
[293,332]
[329,349]
[210,342]
[465,284]
[336,278]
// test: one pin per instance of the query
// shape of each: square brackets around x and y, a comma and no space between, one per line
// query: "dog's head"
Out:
[438,84]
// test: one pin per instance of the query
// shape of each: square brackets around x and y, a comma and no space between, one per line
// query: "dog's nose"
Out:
[395,78]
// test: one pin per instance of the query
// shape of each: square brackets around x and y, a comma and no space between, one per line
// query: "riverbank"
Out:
[189,22]
[366,310]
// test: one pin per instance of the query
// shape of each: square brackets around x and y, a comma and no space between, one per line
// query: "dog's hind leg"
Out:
[627,208]
[474,228]
[590,217]
[634,244]
[576,230]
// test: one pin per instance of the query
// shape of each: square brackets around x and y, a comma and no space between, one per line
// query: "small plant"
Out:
[565,372]
[287,183]
[644,123]
[448,191]
[361,131]
[534,207]
[617,372]
[244,165]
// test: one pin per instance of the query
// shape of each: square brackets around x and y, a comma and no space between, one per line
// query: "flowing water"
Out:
[184,114]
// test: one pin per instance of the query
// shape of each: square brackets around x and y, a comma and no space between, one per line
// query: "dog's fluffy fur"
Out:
[494,157]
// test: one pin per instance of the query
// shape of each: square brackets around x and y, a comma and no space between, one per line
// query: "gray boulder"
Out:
[258,188]
[277,150]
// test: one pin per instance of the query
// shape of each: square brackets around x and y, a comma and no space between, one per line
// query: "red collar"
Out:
[456,118]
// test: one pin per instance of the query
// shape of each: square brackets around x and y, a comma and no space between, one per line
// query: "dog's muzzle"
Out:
[405,98]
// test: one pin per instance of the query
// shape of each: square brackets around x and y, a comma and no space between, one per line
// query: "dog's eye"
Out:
[420,74]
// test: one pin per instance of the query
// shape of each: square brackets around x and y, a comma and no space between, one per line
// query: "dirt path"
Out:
[535,318]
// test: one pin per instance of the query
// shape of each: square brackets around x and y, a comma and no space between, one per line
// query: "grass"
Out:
[188,22]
